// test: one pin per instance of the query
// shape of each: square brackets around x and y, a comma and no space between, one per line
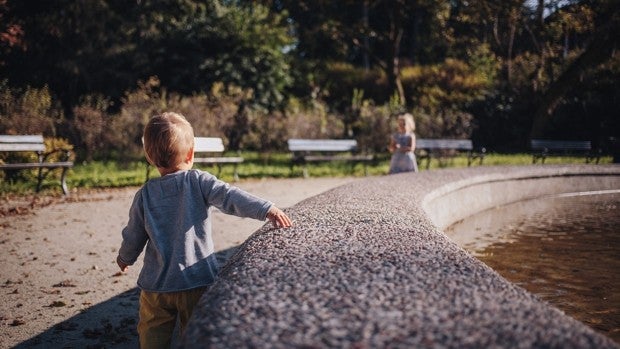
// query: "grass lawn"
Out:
[109,174]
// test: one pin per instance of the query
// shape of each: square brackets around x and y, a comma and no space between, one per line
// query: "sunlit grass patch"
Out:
[111,174]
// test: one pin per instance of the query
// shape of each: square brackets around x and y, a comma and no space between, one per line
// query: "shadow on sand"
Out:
[110,324]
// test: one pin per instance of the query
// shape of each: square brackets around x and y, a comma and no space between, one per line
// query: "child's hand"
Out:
[278,218]
[121,265]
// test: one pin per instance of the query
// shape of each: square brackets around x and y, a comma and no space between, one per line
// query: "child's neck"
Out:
[181,167]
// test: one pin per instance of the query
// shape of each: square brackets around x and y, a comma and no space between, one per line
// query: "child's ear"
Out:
[190,155]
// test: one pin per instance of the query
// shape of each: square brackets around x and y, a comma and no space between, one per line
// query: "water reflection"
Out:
[565,249]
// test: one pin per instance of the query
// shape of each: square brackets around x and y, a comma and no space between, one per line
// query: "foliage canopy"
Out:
[499,72]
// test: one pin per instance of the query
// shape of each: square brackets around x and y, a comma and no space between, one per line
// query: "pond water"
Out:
[563,248]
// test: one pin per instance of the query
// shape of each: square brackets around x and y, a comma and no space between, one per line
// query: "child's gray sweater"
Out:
[170,215]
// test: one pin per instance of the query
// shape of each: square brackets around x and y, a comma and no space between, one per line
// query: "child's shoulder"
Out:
[199,176]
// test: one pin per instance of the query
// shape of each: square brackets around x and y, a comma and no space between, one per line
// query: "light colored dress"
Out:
[403,162]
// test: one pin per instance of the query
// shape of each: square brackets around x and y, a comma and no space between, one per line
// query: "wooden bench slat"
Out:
[208,144]
[462,144]
[322,150]
[22,147]
[561,145]
[31,165]
[317,158]
[215,145]
[328,145]
[21,139]
[443,148]
[542,148]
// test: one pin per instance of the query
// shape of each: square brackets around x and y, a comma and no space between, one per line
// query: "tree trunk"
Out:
[366,39]
[393,61]
[509,49]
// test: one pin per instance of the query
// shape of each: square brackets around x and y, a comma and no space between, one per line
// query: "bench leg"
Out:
[40,179]
[296,162]
[473,156]
[535,159]
[63,181]
[235,174]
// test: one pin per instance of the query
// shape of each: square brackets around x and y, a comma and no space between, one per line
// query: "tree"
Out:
[249,46]
[604,40]
[367,33]
[192,45]
[71,46]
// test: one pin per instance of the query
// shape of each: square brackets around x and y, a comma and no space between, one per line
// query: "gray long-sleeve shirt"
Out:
[170,215]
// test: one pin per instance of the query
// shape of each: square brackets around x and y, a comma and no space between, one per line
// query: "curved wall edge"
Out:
[366,265]
[455,201]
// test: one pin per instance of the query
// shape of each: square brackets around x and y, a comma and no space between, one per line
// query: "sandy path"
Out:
[60,286]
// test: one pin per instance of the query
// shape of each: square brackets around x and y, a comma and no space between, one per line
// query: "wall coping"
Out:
[367,266]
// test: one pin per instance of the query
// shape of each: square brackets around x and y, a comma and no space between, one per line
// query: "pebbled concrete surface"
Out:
[365,267]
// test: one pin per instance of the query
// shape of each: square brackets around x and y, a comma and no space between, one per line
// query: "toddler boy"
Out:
[170,216]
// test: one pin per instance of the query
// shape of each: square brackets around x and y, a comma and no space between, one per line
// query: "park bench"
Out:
[35,143]
[542,148]
[442,149]
[213,146]
[324,150]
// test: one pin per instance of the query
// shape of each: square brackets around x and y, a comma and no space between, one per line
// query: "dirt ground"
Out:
[59,283]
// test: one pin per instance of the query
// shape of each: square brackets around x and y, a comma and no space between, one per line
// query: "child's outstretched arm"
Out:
[278,218]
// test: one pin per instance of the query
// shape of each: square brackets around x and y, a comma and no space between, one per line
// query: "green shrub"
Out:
[28,111]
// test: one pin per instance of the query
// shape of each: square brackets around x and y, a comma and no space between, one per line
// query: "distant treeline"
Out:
[259,72]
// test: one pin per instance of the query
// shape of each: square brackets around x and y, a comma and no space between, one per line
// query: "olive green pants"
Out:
[159,313]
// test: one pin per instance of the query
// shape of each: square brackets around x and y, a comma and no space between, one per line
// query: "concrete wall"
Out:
[454,201]
[366,266]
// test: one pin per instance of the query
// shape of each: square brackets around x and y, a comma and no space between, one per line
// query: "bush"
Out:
[210,114]
[442,93]
[31,111]
[89,121]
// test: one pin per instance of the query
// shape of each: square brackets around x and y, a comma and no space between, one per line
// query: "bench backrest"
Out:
[461,144]
[560,145]
[334,145]
[208,145]
[22,143]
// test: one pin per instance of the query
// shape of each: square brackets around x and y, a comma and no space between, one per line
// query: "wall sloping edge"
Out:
[454,201]
[366,266]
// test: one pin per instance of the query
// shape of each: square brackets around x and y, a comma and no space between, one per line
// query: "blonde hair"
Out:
[409,122]
[168,139]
